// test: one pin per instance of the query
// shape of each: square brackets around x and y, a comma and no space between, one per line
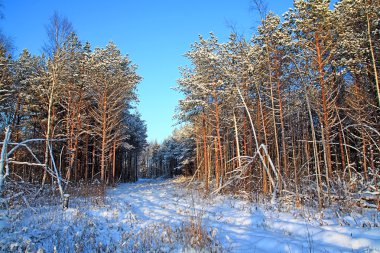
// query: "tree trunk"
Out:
[205,155]
[114,163]
[325,121]
[4,157]
[48,126]
[104,140]
[219,152]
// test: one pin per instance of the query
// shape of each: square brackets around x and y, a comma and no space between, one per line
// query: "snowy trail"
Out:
[153,215]
[242,226]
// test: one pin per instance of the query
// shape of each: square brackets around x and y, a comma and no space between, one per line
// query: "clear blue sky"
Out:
[155,34]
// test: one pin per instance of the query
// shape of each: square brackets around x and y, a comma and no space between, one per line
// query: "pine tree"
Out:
[112,80]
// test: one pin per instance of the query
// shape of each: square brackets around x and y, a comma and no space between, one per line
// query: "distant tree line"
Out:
[293,112]
[174,156]
[78,102]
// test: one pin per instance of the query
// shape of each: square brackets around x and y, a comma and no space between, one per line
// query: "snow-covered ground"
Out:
[162,215]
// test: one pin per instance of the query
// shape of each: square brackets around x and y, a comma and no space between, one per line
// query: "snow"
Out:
[150,215]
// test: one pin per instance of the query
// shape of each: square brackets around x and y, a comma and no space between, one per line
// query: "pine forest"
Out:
[276,146]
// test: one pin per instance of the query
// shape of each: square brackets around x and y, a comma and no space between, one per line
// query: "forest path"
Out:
[242,226]
[156,216]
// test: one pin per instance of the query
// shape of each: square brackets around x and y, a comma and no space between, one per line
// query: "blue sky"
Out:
[155,34]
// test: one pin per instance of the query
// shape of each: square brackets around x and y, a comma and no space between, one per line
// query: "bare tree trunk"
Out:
[75,154]
[298,202]
[56,172]
[261,119]
[306,151]
[237,142]
[371,49]
[86,157]
[364,155]
[14,124]
[326,165]
[245,143]
[219,151]
[136,164]
[217,169]
[114,163]
[326,124]
[93,159]
[104,140]
[3,158]
[205,154]
[50,106]
[343,158]
[70,139]
[197,154]
[281,111]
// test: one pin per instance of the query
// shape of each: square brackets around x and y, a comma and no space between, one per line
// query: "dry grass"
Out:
[159,237]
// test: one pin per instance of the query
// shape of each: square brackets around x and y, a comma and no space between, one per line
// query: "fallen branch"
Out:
[5,159]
